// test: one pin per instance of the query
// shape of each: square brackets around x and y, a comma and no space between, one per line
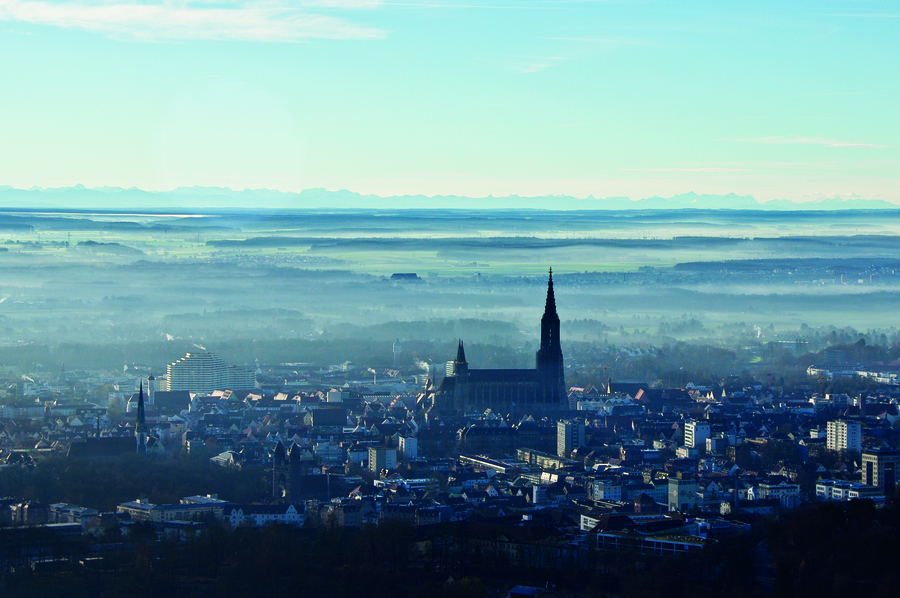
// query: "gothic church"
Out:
[510,390]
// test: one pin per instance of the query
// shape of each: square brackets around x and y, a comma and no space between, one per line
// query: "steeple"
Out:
[549,358]
[460,353]
[140,428]
[141,417]
[550,324]
[550,305]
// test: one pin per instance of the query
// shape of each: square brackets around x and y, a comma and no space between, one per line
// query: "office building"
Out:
[880,467]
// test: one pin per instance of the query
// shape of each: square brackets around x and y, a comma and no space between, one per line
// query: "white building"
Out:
[840,491]
[686,452]
[330,452]
[382,458]
[203,372]
[788,494]
[569,436]
[844,436]
[409,447]
[337,396]
[682,493]
[695,434]
[606,490]
[261,515]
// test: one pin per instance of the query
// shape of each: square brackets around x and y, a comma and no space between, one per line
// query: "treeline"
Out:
[838,264]
[106,482]
[820,551]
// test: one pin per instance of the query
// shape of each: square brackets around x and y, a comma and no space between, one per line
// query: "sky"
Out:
[777,100]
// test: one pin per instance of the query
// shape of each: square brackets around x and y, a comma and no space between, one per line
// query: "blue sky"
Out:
[578,97]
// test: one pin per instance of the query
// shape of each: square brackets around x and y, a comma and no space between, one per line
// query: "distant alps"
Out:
[80,197]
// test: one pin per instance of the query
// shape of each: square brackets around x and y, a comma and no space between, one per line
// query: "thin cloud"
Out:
[695,169]
[546,6]
[868,15]
[527,64]
[807,141]
[167,22]
[538,64]
[603,41]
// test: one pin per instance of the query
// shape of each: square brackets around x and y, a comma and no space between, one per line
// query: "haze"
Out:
[509,97]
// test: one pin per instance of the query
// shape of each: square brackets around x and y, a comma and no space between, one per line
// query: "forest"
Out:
[791,555]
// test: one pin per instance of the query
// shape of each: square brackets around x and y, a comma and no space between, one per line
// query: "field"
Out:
[226,277]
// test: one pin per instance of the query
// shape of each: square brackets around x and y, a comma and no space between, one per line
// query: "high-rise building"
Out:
[695,434]
[382,458]
[682,492]
[880,468]
[569,436]
[408,446]
[844,436]
[203,371]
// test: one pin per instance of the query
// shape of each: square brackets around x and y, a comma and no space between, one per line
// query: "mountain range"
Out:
[80,197]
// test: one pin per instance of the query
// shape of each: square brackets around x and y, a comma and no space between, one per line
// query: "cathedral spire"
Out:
[140,428]
[549,357]
[550,306]
[460,353]
[141,417]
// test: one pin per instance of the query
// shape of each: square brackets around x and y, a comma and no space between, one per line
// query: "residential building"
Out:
[382,458]
[605,489]
[685,452]
[262,515]
[695,434]
[840,490]
[844,436]
[189,509]
[682,493]
[787,494]
[408,447]
[569,436]
[203,371]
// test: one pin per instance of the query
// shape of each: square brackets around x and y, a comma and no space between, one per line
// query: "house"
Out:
[262,515]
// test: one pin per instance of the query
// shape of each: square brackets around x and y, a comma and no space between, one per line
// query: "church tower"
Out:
[549,358]
[140,428]
[151,390]
[542,389]
[460,365]
[461,372]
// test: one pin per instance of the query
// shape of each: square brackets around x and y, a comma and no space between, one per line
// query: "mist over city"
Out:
[507,298]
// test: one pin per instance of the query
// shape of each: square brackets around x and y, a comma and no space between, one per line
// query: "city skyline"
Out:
[529,98]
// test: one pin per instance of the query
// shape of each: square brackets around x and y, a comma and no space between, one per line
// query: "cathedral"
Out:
[527,391]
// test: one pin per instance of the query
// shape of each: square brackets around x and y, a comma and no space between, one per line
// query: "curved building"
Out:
[202,371]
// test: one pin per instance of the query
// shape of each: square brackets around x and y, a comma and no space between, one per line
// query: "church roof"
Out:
[103,447]
[447,384]
[484,376]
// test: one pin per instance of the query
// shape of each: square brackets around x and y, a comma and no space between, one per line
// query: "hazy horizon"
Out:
[503,98]
[196,197]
